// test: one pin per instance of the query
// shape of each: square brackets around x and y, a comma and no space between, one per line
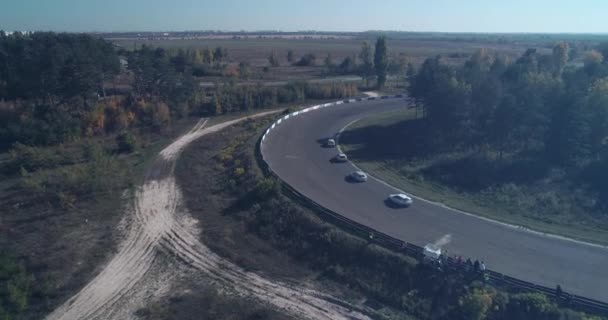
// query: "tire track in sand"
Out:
[155,225]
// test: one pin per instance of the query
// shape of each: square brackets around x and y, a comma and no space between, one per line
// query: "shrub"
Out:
[92,150]
[238,172]
[126,142]
[64,186]
[531,306]
[475,304]
[15,288]
[33,158]
[307,60]
[267,188]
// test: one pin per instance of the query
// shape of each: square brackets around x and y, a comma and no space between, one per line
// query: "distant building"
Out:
[25,33]
[124,63]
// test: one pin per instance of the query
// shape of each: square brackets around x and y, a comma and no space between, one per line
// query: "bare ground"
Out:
[158,227]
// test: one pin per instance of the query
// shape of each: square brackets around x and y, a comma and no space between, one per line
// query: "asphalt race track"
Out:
[294,152]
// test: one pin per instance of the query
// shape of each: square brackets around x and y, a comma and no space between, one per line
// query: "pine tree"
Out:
[381,60]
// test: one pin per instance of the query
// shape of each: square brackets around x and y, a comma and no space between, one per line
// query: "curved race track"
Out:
[294,153]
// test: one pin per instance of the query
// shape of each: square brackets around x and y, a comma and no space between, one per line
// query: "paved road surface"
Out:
[294,153]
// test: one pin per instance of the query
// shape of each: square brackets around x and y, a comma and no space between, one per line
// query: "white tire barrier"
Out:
[320,106]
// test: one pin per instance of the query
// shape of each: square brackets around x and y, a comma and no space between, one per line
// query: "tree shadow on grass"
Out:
[243,203]
[594,176]
[470,172]
[402,140]
[474,173]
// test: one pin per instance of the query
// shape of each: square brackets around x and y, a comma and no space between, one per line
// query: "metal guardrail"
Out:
[410,249]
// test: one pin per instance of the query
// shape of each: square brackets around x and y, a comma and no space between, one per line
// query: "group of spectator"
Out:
[479,267]
[459,262]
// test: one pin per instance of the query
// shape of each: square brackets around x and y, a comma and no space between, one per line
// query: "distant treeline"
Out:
[485,37]
[52,88]
[52,68]
[241,98]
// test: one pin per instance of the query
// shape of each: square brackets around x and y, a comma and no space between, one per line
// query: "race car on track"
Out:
[358,176]
[400,199]
[340,157]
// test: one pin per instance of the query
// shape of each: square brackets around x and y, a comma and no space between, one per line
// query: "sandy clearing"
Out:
[154,225]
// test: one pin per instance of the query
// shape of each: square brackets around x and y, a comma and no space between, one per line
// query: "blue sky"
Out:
[581,16]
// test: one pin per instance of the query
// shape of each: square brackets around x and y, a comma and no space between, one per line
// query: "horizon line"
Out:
[218,31]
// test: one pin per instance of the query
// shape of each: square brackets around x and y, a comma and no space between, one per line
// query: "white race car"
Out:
[358,176]
[400,199]
[340,157]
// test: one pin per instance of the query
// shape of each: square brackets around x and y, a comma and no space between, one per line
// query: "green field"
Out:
[409,175]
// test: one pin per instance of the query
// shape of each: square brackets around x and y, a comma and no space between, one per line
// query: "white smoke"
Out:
[443,240]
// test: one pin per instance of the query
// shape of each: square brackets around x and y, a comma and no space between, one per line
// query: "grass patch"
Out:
[514,191]
[206,302]
[63,203]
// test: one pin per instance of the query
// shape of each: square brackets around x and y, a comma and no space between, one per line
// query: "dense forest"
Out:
[536,114]
[49,83]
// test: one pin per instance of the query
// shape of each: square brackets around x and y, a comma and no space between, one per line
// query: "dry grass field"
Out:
[256,51]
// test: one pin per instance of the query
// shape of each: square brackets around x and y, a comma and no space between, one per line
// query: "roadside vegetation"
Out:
[73,143]
[247,218]
[521,141]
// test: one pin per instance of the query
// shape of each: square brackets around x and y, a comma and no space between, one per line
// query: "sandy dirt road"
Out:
[158,224]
